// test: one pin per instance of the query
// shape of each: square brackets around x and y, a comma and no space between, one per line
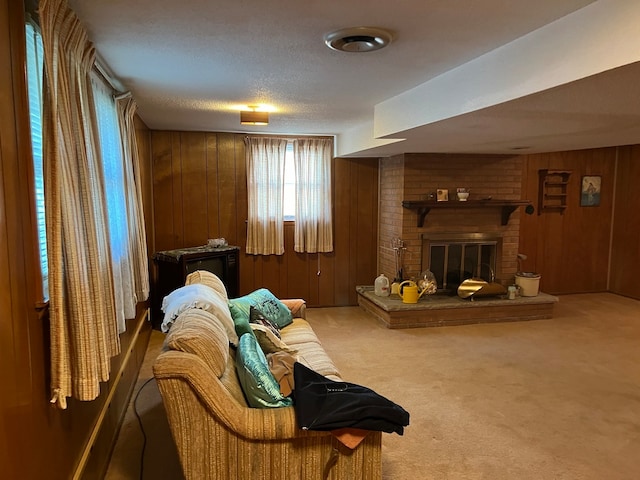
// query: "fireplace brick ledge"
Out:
[443,310]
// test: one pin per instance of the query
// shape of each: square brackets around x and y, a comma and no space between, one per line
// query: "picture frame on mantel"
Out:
[442,195]
[590,190]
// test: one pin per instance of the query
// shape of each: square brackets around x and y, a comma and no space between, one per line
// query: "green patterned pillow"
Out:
[258,384]
[266,302]
[241,323]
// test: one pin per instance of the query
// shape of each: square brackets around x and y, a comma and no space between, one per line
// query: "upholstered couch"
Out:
[218,436]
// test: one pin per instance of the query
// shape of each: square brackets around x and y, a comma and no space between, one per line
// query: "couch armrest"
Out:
[297,306]
[190,392]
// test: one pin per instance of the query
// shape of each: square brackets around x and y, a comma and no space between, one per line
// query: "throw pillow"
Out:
[242,325]
[266,302]
[202,297]
[258,384]
[256,316]
[268,341]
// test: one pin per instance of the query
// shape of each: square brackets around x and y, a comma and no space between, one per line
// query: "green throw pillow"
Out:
[241,324]
[266,302]
[258,384]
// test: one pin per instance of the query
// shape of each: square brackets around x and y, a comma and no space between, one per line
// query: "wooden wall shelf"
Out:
[552,190]
[425,206]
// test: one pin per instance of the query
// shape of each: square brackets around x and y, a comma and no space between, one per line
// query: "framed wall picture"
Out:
[590,191]
[442,195]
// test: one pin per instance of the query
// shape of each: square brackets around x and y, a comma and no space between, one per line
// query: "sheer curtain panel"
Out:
[82,308]
[265,185]
[314,224]
[133,191]
[116,196]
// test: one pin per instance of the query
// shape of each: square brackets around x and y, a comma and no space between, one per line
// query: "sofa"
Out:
[218,435]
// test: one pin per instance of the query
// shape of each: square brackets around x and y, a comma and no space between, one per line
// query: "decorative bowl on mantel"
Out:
[463,194]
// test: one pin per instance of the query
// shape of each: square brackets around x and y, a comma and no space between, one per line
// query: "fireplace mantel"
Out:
[423,207]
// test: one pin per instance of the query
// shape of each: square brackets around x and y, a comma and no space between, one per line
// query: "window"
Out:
[289,180]
[34,85]
[116,198]
[112,165]
[110,145]
[289,201]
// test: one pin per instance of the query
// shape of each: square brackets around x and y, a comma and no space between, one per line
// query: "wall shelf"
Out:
[552,190]
[423,207]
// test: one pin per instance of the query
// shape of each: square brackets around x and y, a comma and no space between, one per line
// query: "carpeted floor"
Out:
[547,399]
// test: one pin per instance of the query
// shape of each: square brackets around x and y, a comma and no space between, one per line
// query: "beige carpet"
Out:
[546,399]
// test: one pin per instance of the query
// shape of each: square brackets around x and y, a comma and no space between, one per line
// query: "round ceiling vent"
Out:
[358,39]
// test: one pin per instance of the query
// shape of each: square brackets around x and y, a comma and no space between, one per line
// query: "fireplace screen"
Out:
[454,260]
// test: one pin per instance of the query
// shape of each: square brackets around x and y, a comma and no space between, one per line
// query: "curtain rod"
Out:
[289,137]
[104,71]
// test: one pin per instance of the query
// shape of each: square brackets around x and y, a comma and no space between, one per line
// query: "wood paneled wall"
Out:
[625,238]
[570,249]
[200,192]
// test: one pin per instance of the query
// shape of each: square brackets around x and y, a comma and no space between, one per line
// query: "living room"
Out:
[195,189]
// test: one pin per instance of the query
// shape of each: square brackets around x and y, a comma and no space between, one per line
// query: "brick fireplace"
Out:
[454,257]
[413,177]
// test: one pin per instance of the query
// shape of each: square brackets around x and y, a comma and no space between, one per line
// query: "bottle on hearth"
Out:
[381,286]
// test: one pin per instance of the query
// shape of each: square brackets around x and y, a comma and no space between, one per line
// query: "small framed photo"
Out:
[442,195]
[590,191]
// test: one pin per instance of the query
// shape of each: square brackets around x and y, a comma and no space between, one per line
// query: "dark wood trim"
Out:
[507,207]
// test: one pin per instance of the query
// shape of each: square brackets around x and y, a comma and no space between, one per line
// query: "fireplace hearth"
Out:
[446,310]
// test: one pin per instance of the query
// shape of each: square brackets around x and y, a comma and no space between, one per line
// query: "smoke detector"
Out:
[358,39]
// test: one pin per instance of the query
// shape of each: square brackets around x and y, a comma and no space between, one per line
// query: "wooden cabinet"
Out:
[174,266]
[552,190]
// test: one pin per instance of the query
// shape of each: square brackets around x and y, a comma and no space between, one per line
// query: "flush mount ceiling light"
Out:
[254,117]
[358,39]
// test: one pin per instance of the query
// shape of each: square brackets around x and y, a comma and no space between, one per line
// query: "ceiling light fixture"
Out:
[254,117]
[358,39]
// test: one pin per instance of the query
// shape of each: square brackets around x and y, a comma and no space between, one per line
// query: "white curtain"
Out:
[265,159]
[314,225]
[116,193]
[133,190]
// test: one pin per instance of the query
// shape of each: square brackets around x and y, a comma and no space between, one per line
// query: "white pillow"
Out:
[198,296]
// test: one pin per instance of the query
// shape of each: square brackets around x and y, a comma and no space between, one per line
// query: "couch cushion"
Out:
[298,332]
[198,296]
[312,355]
[198,332]
[209,279]
[258,384]
[266,302]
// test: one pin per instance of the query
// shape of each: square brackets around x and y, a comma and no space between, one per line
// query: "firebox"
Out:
[454,257]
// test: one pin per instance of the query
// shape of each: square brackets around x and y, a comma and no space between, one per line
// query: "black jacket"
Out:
[324,404]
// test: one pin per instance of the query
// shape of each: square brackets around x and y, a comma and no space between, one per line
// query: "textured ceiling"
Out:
[466,75]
